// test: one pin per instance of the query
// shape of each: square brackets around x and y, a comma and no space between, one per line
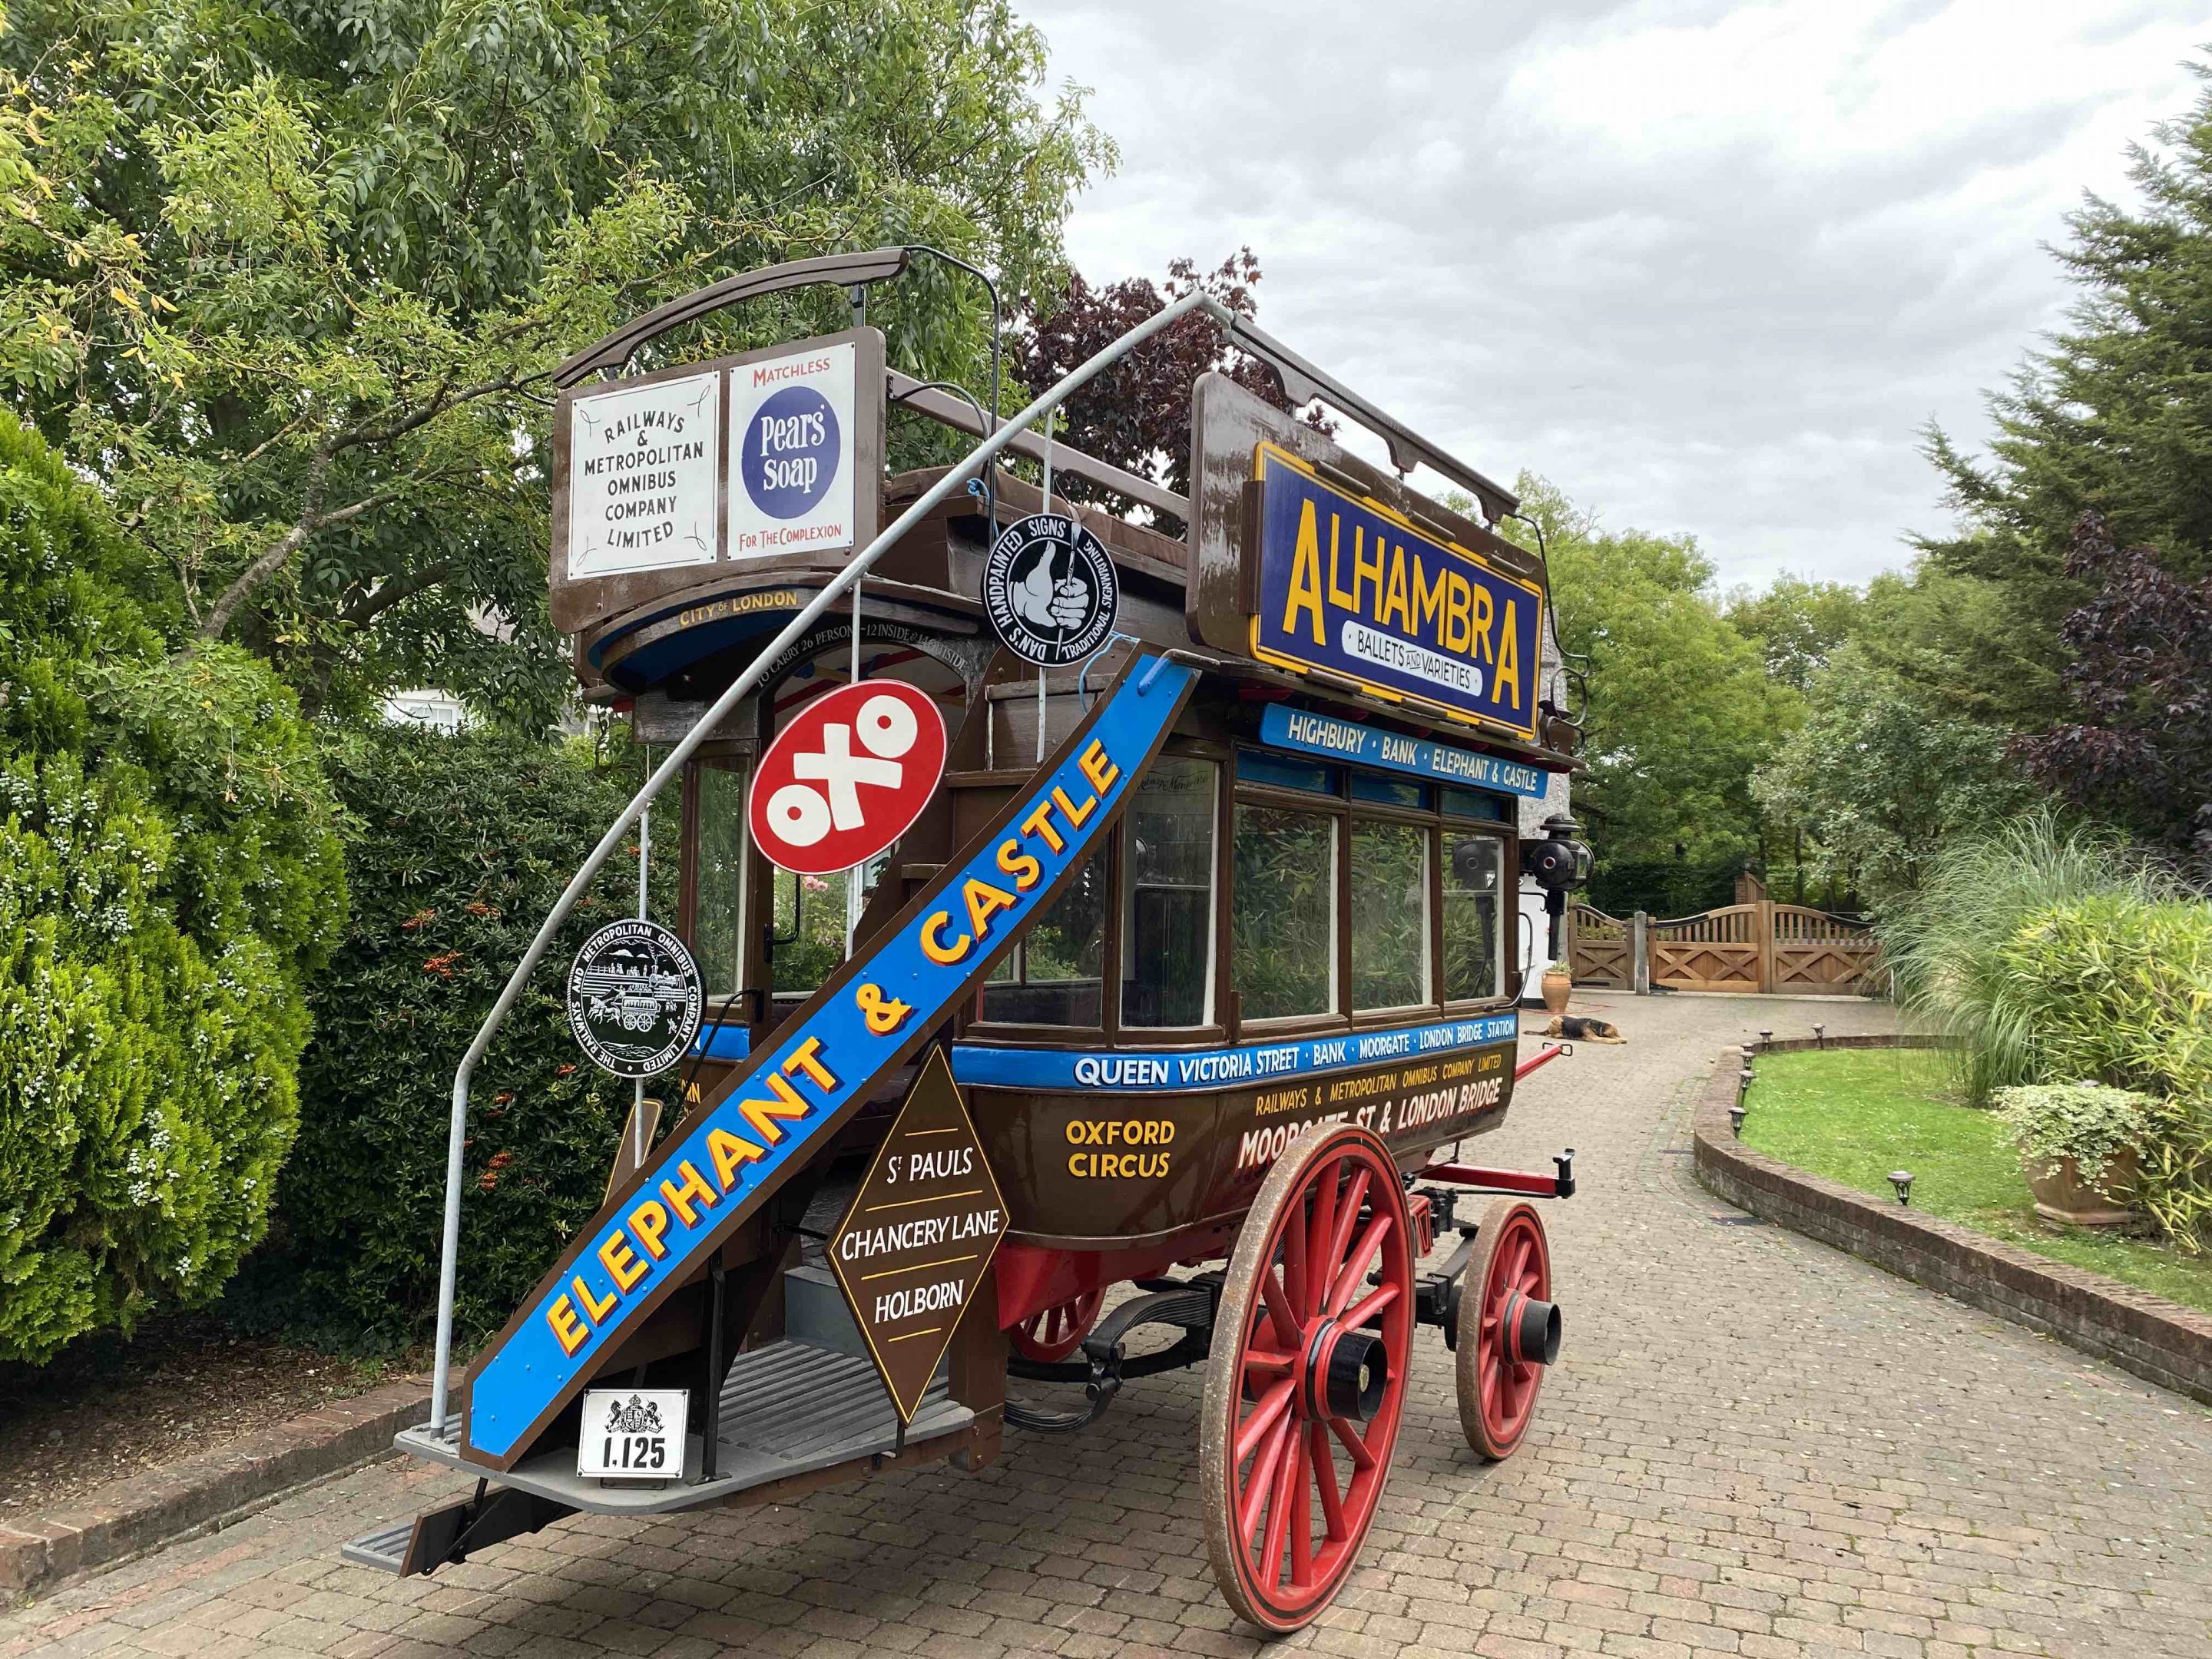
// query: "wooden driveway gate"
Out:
[1759,947]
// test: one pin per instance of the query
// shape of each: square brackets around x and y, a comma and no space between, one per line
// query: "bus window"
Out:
[1167,951]
[1474,961]
[1389,914]
[718,928]
[808,944]
[1283,912]
[1059,968]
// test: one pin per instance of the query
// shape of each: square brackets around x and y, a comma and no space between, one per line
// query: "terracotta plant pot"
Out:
[1558,983]
[2063,1197]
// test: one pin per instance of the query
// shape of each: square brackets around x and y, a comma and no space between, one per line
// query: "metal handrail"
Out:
[457,1133]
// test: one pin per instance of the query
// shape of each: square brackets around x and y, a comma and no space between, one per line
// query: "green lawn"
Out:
[1855,1114]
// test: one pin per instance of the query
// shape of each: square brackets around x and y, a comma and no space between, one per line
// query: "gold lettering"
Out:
[596,1309]
[695,1186]
[729,1152]
[984,902]
[1098,766]
[1019,864]
[649,1221]
[1304,593]
[567,1330]
[933,946]
[1508,658]
[1363,568]
[615,1257]
[1039,823]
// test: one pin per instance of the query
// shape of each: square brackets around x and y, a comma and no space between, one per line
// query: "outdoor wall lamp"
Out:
[1902,1180]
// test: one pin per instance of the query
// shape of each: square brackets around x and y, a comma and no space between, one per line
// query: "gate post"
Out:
[1763,919]
[1639,954]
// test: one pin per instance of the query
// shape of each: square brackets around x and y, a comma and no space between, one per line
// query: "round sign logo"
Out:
[635,998]
[847,776]
[789,458]
[1049,590]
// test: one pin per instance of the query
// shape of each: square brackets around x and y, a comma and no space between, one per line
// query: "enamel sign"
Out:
[922,1229]
[1333,738]
[635,999]
[791,483]
[780,1108]
[1049,590]
[847,776]
[1353,589]
[641,477]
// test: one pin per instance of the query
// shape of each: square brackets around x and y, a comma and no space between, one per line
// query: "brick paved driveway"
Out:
[1753,1445]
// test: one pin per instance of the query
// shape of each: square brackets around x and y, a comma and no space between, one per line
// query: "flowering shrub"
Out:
[169,879]
[2091,1123]
[455,848]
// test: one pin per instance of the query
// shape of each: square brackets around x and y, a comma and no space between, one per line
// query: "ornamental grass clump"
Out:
[2091,1123]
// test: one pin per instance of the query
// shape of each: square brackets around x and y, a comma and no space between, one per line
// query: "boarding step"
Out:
[788,1409]
[384,1549]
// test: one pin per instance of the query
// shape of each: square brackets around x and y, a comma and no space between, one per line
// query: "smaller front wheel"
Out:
[1508,1331]
[1051,1335]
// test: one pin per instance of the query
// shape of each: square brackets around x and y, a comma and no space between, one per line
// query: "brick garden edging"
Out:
[136,1513]
[2159,1340]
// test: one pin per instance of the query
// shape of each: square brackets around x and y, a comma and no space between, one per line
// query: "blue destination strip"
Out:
[1173,1069]
[1346,740]
[705,1178]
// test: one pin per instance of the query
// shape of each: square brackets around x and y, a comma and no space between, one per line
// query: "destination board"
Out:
[922,1230]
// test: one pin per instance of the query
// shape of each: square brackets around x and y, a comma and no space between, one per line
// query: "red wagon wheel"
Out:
[1508,1332]
[1307,1378]
[1055,1333]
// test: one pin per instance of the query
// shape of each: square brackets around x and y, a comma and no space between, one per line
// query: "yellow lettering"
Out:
[1394,596]
[984,902]
[596,1310]
[695,1186]
[1304,593]
[1068,810]
[1428,602]
[728,1151]
[649,1221]
[1019,864]
[1039,823]
[1098,766]
[1508,658]
[567,1330]
[615,1257]
[1459,627]
[761,1114]
[1483,608]
[806,1057]
[1363,568]
[934,947]
[1337,596]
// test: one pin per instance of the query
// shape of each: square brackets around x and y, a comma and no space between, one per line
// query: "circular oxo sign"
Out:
[847,776]
[1049,590]
[635,998]
[788,457]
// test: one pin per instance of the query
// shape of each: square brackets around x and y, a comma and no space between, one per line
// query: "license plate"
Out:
[633,1434]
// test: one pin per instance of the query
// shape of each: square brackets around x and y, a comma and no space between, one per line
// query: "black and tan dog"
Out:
[1576,1028]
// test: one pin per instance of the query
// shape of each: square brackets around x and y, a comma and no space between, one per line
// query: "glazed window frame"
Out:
[1262,778]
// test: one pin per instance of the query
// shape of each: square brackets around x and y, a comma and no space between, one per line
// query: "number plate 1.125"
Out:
[633,1434]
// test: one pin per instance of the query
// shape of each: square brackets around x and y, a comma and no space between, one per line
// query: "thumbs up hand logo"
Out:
[1047,603]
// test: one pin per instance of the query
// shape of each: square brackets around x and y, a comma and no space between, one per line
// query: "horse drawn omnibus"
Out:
[1085,926]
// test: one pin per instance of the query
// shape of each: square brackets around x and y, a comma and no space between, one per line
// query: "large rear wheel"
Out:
[1307,1378]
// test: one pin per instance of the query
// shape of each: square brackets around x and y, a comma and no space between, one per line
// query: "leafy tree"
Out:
[2140,682]
[1136,413]
[1681,709]
[1879,782]
[290,278]
[169,881]
[1797,624]
[2116,416]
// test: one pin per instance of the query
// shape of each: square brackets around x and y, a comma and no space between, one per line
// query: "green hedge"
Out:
[456,846]
[169,879]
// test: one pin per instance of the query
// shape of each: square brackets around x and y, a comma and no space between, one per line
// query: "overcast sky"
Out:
[1707,266]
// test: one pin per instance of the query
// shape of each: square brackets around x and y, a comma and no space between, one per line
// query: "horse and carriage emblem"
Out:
[635,999]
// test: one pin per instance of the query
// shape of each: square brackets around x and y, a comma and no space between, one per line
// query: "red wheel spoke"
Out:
[1301,1511]
[1266,1359]
[1271,1405]
[1354,1270]
[1346,1220]
[1261,1480]
[1370,1305]
[1324,1467]
[1295,1266]
[1321,1262]
[1289,1328]
[1353,1443]
[1278,1514]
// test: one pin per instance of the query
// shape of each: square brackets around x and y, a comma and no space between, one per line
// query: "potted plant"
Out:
[2079,1146]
